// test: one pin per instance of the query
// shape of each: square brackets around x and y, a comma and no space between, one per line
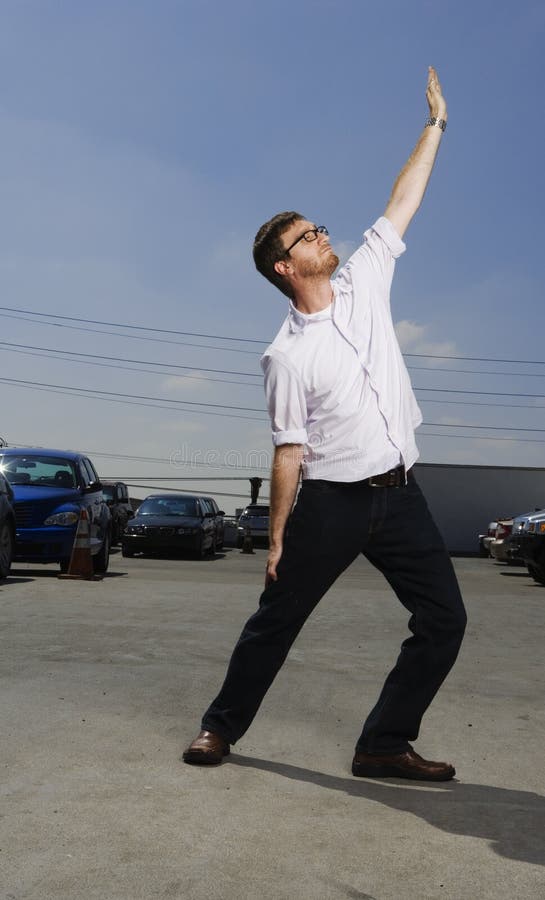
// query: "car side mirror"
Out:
[220,512]
[94,486]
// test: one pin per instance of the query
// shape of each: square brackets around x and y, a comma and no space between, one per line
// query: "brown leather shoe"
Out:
[401,765]
[208,749]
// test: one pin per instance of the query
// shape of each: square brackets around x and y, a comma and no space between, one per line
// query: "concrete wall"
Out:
[464,499]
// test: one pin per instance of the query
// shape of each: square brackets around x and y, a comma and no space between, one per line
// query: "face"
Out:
[309,259]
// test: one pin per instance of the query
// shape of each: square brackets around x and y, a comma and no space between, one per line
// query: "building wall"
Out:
[464,499]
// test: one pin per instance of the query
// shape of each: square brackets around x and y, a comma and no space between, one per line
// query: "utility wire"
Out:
[219,337]
[153,487]
[180,404]
[144,362]
[118,368]
[214,337]
[481,437]
[136,337]
[247,384]
[65,392]
[17,381]
[148,362]
[155,459]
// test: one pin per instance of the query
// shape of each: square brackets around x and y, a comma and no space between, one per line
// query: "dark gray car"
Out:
[174,523]
[7,527]
[255,520]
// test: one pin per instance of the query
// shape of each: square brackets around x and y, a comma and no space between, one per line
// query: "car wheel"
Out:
[102,558]
[126,552]
[7,547]
[537,574]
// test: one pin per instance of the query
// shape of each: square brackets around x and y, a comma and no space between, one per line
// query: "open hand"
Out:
[434,95]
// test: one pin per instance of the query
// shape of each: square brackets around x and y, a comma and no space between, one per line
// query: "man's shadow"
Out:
[512,821]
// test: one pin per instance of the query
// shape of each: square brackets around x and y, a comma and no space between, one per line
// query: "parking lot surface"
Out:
[103,687]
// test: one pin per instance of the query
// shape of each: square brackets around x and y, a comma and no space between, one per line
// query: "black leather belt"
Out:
[397,477]
[393,478]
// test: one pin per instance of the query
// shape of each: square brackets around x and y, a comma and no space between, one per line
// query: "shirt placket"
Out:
[373,387]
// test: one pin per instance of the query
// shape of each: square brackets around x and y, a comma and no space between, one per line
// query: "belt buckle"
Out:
[392,478]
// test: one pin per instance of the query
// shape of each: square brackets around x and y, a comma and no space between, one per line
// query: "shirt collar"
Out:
[298,320]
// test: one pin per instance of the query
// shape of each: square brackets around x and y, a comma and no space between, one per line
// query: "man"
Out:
[342,409]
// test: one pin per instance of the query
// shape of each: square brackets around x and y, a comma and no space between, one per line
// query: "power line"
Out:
[481,393]
[136,337]
[147,362]
[153,487]
[87,362]
[214,337]
[187,477]
[144,362]
[93,391]
[484,427]
[481,437]
[434,369]
[537,362]
[181,405]
[66,392]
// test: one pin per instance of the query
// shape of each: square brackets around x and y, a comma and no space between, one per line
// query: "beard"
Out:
[315,268]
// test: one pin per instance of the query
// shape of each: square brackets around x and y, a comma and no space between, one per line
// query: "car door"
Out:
[218,519]
[93,500]
[208,525]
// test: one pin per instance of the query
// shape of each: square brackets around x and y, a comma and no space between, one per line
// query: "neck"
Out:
[313,295]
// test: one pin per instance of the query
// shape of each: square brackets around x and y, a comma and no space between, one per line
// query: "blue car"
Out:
[7,527]
[50,489]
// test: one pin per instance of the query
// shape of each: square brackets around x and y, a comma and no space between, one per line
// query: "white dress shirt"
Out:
[335,380]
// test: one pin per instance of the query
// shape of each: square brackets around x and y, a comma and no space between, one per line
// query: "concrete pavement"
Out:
[104,684]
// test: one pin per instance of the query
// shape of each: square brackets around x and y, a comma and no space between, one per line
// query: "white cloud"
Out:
[181,383]
[414,338]
[344,250]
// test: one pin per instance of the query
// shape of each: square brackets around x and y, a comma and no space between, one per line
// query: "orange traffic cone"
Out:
[81,561]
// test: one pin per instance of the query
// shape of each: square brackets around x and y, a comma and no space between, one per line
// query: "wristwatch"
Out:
[433,120]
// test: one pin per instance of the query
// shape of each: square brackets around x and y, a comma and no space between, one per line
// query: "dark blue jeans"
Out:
[330,525]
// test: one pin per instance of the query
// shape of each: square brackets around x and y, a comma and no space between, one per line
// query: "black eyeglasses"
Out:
[308,236]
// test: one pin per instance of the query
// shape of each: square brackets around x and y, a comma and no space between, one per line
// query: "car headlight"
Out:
[64,518]
[134,529]
[184,531]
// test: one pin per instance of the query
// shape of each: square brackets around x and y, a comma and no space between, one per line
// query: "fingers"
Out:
[270,575]
[433,85]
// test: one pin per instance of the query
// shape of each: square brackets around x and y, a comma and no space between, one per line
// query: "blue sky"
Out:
[145,142]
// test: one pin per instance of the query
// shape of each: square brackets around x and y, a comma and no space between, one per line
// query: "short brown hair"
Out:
[268,248]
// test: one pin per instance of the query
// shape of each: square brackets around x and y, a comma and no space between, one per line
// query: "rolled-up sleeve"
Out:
[376,257]
[285,402]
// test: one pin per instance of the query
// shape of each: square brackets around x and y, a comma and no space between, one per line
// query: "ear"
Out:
[282,266]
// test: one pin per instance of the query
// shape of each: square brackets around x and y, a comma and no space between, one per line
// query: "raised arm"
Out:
[411,182]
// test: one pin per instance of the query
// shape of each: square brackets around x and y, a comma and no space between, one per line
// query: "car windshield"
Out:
[256,511]
[167,506]
[109,491]
[39,471]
